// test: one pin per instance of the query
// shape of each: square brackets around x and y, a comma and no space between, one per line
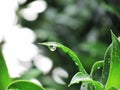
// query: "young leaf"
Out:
[114,74]
[81,77]
[24,85]
[84,86]
[78,77]
[96,66]
[87,86]
[106,65]
[4,76]
[53,45]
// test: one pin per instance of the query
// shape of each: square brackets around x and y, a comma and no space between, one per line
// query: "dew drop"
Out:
[98,67]
[76,64]
[52,48]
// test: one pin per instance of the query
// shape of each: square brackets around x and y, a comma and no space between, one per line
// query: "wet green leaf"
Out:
[114,74]
[4,76]
[96,66]
[24,85]
[80,77]
[106,65]
[53,45]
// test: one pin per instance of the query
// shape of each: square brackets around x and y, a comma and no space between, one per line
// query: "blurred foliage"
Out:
[82,25]
[4,76]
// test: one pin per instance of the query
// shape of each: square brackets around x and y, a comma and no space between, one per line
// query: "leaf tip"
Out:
[114,37]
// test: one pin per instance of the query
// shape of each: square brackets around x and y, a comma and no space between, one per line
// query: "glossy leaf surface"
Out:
[114,74]
[4,76]
[96,66]
[53,45]
[24,85]
[80,77]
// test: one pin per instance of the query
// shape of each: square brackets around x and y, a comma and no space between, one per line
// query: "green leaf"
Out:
[114,74]
[87,86]
[106,65]
[84,86]
[4,76]
[78,77]
[81,77]
[24,85]
[96,66]
[53,45]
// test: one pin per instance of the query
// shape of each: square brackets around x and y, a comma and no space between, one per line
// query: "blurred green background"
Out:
[82,25]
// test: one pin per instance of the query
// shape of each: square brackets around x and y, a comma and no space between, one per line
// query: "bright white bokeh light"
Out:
[18,47]
[21,1]
[58,74]
[19,35]
[38,6]
[31,12]
[22,52]
[28,14]
[7,13]
[1,36]
[43,63]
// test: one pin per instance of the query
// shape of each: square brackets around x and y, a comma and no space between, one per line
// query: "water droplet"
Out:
[98,67]
[76,63]
[52,48]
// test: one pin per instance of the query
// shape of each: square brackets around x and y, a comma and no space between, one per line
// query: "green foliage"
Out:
[81,25]
[80,76]
[96,66]
[4,76]
[86,79]
[112,71]
[106,65]
[109,78]
[53,45]
[24,85]
[114,65]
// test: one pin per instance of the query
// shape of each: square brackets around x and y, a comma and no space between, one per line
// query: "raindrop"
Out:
[98,67]
[76,63]
[52,48]
[74,59]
